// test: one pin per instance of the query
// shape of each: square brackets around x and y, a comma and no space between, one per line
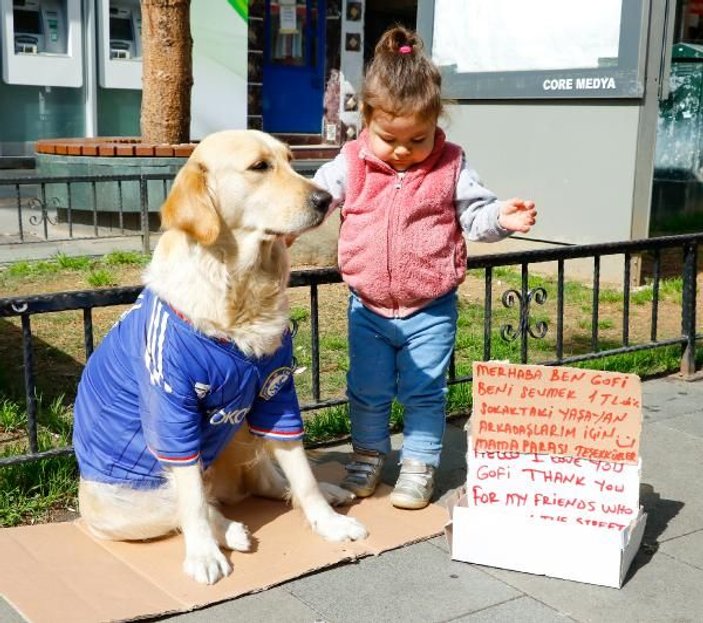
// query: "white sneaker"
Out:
[415,485]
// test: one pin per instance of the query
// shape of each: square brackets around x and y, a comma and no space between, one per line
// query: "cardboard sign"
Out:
[560,489]
[561,411]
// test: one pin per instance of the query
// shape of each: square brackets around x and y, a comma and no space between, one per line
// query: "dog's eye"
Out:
[260,165]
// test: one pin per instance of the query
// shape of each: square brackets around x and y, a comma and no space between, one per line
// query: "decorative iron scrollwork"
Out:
[513,297]
[35,203]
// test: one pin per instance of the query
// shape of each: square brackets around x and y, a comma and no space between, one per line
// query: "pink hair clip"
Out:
[405,49]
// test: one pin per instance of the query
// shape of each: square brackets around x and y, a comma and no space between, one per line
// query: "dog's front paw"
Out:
[207,564]
[336,496]
[336,527]
[235,536]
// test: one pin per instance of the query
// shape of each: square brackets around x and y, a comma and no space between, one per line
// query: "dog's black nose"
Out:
[320,200]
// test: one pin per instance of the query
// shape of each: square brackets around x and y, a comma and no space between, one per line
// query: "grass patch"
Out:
[671,289]
[126,258]
[333,423]
[78,272]
[326,424]
[29,492]
[299,314]
[22,270]
[12,416]
[72,263]
[101,278]
[334,343]
[642,295]
[645,363]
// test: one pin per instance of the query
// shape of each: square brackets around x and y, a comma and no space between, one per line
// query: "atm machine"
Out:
[120,28]
[42,42]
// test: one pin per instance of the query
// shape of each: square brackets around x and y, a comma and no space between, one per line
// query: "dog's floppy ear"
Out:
[190,207]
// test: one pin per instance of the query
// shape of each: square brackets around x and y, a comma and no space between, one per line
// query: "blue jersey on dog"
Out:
[159,392]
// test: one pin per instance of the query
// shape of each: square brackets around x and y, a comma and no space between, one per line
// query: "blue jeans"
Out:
[403,358]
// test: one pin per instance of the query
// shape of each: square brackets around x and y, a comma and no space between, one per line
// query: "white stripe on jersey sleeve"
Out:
[156,334]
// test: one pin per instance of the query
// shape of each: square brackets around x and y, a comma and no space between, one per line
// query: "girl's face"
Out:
[401,141]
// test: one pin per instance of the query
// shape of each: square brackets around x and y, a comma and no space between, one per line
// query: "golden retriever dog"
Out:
[189,400]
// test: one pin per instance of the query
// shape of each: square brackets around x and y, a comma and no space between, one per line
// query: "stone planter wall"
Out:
[100,203]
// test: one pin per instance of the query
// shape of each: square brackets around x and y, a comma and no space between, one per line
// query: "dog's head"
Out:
[242,180]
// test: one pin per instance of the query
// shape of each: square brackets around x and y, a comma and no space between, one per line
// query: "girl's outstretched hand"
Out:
[517,215]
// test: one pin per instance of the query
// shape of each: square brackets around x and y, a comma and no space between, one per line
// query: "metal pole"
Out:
[90,87]
[688,313]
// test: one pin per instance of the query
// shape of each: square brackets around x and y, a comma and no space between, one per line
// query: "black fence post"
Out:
[29,384]
[144,211]
[688,311]
[315,345]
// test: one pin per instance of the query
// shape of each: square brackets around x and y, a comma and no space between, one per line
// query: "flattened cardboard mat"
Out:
[57,572]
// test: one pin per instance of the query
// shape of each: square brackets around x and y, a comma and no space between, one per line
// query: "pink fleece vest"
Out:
[400,242]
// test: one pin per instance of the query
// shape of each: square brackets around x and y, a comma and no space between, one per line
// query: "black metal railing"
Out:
[670,256]
[57,209]
[54,210]
[687,245]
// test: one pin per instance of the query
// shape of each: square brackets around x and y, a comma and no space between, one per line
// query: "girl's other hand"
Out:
[517,215]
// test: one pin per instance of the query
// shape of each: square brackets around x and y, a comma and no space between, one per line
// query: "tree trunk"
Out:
[167,71]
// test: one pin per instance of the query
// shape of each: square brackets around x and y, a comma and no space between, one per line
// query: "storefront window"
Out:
[514,36]
[508,49]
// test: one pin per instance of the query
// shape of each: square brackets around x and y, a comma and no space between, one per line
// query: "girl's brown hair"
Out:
[401,80]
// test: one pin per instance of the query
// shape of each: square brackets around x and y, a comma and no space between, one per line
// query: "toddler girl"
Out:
[407,195]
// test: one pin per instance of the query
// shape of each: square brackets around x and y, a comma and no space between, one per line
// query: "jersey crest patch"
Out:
[274,382]
[201,389]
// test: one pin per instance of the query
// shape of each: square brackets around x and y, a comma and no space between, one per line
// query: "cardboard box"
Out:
[508,541]
[553,473]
